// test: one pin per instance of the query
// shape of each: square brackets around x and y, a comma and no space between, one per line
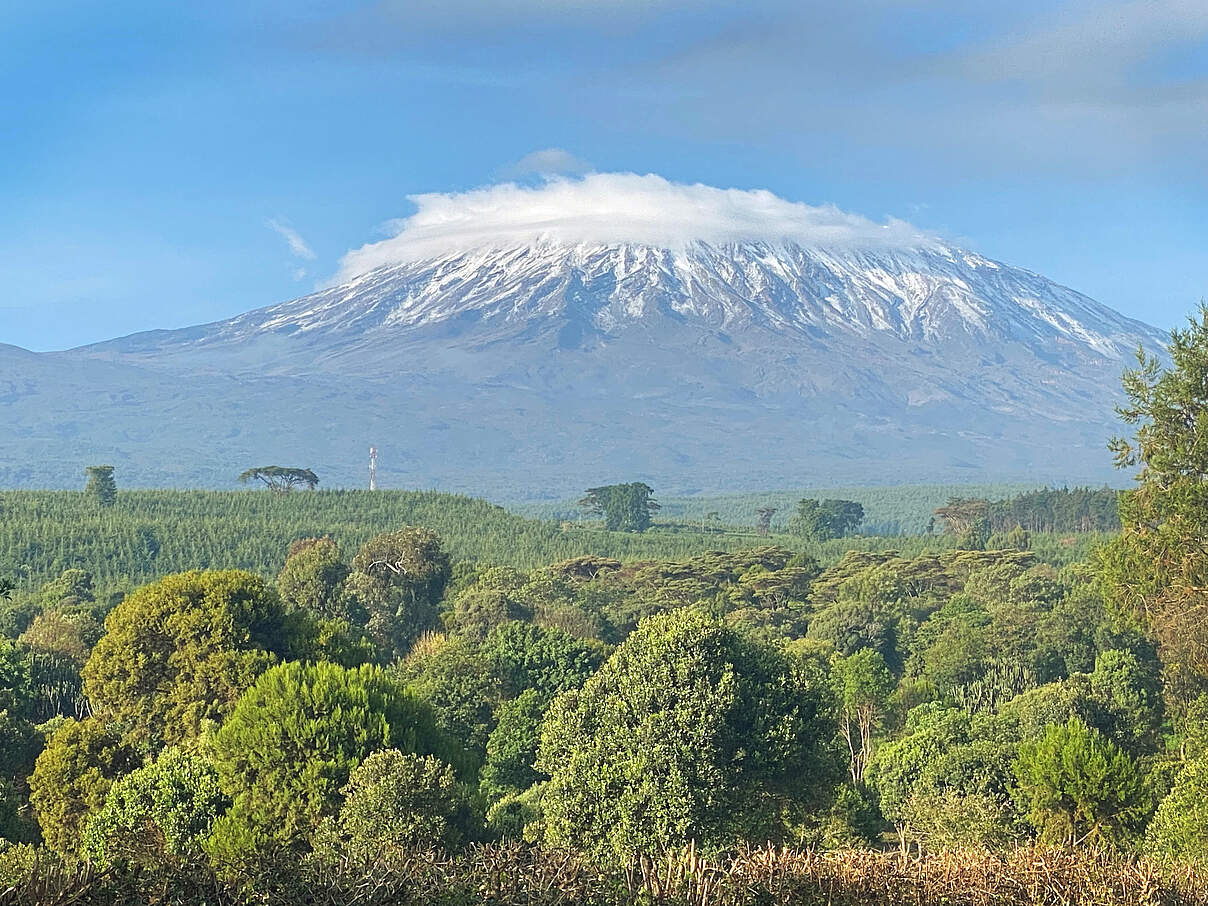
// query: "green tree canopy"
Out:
[180,651]
[862,686]
[71,778]
[398,578]
[158,815]
[281,479]
[101,487]
[512,748]
[1179,829]
[287,750]
[689,732]
[1079,786]
[823,520]
[625,507]
[313,578]
[399,802]
[946,763]
[1158,566]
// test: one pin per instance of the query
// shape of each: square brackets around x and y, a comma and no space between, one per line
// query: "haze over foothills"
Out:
[167,165]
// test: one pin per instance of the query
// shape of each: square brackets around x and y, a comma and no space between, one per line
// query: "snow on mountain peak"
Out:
[618,209]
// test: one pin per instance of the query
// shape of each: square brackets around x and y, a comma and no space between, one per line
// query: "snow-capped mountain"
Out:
[550,366]
[929,295]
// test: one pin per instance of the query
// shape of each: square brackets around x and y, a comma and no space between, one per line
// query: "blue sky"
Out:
[166,164]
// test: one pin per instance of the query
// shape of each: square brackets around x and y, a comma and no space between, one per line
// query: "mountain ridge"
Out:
[768,362]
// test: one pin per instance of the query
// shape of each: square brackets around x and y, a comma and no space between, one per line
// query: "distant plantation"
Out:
[146,534]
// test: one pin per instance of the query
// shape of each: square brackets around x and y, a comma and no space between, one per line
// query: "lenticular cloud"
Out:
[610,208]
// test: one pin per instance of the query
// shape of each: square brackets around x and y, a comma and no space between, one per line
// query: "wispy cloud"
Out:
[298,246]
[617,207]
[547,162]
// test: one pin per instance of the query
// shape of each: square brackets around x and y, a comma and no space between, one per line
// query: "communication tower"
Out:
[373,468]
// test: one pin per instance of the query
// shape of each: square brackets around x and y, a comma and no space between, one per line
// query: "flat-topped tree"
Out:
[281,479]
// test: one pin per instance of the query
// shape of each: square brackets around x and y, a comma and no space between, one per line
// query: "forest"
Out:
[343,697]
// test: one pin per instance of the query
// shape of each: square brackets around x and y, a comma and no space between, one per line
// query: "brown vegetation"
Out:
[512,875]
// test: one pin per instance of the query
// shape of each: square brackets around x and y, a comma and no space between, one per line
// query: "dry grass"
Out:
[513,875]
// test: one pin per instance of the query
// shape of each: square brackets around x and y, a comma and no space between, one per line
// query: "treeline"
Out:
[146,534]
[1059,510]
[1047,510]
[890,510]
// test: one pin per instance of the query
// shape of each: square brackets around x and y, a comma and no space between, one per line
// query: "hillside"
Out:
[529,367]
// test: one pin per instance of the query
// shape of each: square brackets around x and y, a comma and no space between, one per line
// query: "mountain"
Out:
[544,367]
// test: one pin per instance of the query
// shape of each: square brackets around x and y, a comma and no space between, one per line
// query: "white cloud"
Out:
[617,207]
[297,245]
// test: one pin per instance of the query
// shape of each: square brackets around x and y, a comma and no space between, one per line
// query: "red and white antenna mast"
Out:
[373,468]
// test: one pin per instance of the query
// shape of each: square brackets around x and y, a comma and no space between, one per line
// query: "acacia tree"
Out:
[280,479]
[625,507]
[101,487]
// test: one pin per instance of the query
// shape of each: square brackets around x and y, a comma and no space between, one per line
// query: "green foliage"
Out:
[825,520]
[158,815]
[1179,829]
[59,642]
[15,685]
[398,579]
[889,510]
[1159,564]
[550,661]
[453,677]
[149,534]
[72,777]
[465,680]
[625,507]
[180,651]
[688,732]
[1078,786]
[946,762]
[494,598]
[312,579]
[398,802]
[286,751]
[1046,510]
[101,488]
[281,479]
[862,685]
[512,747]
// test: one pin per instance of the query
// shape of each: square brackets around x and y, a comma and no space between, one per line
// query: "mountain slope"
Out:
[541,367]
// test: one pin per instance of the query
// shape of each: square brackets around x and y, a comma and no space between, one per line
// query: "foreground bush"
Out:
[516,875]
[688,732]
[287,751]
